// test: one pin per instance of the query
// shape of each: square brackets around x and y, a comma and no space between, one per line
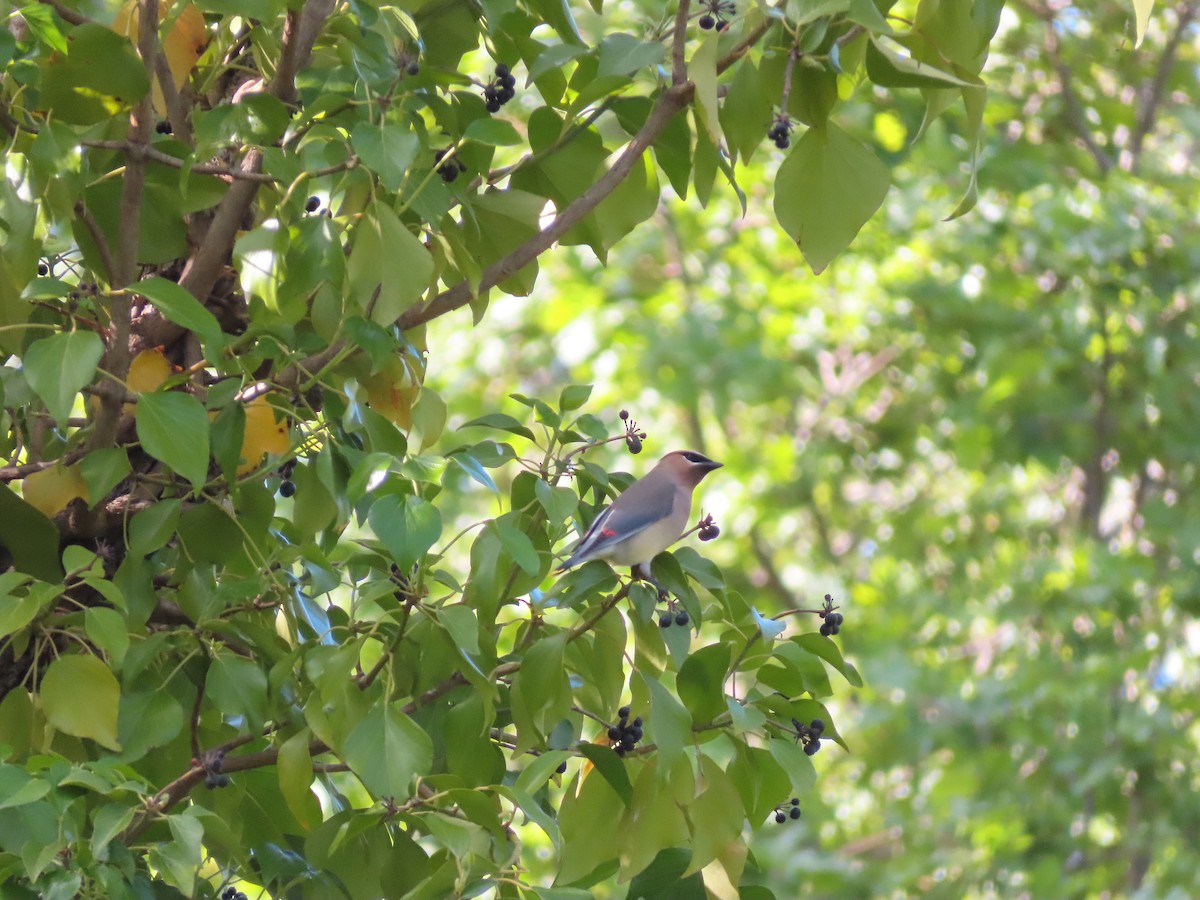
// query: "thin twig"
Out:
[93,227]
[678,43]
[1152,93]
[72,16]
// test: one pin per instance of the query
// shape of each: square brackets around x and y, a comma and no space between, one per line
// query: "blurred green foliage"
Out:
[983,433]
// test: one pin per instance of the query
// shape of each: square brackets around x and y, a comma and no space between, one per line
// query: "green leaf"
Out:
[716,815]
[518,545]
[103,469]
[542,677]
[493,132]
[98,77]
[57,367]
[386,256]
[386,750]
[106,628]
[18,787]
[238,687]
[559,503]
[17,612]
[80,696]
[624,54]
[573,396]
[184,310]
[668,725]
[29,536]
[501,422]
[258,256]
[408,527]
[173,428]
[387,149]
[701,682]
[826,190]
[611,767]
[823,647]
[889,69]
[703,72]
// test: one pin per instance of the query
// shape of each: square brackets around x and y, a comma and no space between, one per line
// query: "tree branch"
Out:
[1153,91]
[72,16]
[1072,108]
[93,227]
[670,102]
[678,43]
[124,264]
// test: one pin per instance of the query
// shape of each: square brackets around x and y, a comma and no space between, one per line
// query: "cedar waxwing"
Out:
[648,517]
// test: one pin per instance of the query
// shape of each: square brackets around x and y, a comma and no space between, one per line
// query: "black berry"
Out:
[414,68]
[706,22]
[562,767]
[709,533]
[681,618]
[229,893]
[312,204]
[664,621]
[795,801]
[43,269]
[817,727]
[637,723]
[164,127]
[826,629]
[502,70]
[614,734]
[623,712]
[634,443]
[812,747]
[780,818]
[795,813]
[287,488]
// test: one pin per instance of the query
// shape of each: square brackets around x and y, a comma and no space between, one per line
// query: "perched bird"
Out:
[648,517]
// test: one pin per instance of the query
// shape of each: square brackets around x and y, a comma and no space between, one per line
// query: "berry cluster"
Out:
[788,811]
[673,615]
[810,734]
[287,487]
[633,436]
[450,169]
[717,15]
[212,762]
[625,734]
[500,89]
[708,529]
[780,131]
[232,893]
[833,620]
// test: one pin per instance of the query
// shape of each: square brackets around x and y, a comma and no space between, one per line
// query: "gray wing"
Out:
[640,506]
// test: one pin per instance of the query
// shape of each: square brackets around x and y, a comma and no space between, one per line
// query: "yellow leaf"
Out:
[183,44]
[148,371]
[394,389]
[263,434]
[50,490]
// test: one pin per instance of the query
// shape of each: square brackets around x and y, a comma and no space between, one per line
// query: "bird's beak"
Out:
[711,465]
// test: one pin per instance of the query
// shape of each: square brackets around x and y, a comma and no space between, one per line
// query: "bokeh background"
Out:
[980,435]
